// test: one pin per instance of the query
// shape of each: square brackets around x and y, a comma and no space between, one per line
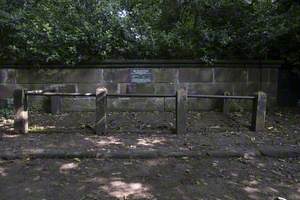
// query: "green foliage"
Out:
[73,31]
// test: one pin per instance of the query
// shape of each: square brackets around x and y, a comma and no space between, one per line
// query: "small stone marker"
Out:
[101,105]
[226,103]
[56,104]
[21,112]
[181,109]
[259,111]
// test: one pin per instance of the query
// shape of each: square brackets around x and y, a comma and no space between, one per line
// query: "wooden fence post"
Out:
[259,111]
[21,111]
[181,110]
[101,106]
[226,103]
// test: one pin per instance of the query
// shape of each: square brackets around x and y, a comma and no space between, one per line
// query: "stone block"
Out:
[245,89]
[7,76]
[257,75]
[80,76]
[204,104]
[141,88]
[38,76]
[122,88]
[78,104]
[196,75]
[273,75]
[136,104]
[39,103]
[116,75]
[56,104]
[230,75]
[165,88]
[209,88]
[58,76]
[270,89]
[164,75]
[169,104]
[7,90]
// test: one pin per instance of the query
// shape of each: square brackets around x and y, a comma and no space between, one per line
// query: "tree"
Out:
[74,31]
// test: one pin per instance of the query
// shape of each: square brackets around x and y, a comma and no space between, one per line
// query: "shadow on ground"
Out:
[169,178]
[150,179]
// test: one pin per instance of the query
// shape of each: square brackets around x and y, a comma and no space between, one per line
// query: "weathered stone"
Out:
[21,113]
[243,80]
[230,75]
[209,88]
[38,76]
[101,107]
[204,104]
[136,104]
[270,89]
[257,75]
[53,104]
[164,75]
[81,75]
[195,75]
[165,88]
[3,76]
[246,89]
[273,75]
[169,104]
[259,111]
[78,104]
[56,104]
[122,88]
[7,76]
[181,111]
[7,90]
[116,75]
[141,88]
[58,76]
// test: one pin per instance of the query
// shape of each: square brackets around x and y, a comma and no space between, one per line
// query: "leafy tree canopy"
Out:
[74,31]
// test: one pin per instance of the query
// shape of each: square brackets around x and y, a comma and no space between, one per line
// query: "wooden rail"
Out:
[21,108]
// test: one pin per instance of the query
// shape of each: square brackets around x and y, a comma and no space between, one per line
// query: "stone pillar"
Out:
[101,106]
[259,111]
[21,111]
[181,111]
[55,102]
[226,104]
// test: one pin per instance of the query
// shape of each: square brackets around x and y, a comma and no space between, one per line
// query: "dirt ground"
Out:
[169,178]
[150,179]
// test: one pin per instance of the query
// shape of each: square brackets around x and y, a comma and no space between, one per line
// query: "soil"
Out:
[92,179]
[169,178]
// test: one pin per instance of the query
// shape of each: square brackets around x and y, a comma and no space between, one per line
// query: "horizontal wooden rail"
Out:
[41,93]
[220,97]
[21,108]
[141,95]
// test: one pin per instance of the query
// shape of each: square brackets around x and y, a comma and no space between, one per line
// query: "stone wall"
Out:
[243,80]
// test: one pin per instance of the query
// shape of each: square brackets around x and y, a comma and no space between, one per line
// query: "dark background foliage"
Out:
[74,31]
